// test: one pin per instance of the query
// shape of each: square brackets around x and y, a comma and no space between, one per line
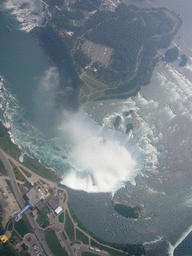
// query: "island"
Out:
[129,210]
[105,54]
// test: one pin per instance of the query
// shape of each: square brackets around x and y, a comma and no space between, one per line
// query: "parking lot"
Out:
[97,52]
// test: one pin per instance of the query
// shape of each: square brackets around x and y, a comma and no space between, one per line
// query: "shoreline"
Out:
[32,163]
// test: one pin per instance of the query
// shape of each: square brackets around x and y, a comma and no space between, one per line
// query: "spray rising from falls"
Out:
[88,156]
[102,160]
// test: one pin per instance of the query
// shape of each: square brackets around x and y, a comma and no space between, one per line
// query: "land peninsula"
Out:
[106,54]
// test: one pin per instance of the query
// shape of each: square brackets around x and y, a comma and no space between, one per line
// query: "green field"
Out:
[95,84]
[21,227]
[69,227]
[18,175]
[26,173]
[10,226]
[61,217]
[88,254]
[85,88]
[42,218]
[2,169]
[39,169]
[54,244]
[81,236]
[10,187]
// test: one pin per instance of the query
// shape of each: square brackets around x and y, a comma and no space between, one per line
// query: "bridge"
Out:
[19,214]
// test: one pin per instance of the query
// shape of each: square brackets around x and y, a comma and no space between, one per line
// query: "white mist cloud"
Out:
[99,165]
[45,98]
[29,12]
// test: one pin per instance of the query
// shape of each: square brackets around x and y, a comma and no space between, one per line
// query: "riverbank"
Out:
[7,144]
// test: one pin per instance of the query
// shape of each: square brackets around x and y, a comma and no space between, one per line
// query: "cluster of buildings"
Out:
[38,196]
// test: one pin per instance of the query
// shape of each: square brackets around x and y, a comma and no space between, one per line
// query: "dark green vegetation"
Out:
[61,217]
[10,186]
[7,250]
[134,35]
[130,36]
[171,55]
[6,144]
[88,254]
[10,226]
[3,171]
[117,121]
[2,231]
[128,128]
[39,169]
[183,60]
[21,227]
[127,211]
[82,237]
[88,5]
[42,218]
[57,49]
[69,227]
[81,59]
[54,244]
[26,172]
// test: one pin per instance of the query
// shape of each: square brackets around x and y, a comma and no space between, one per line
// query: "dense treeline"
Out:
[58,52]
[126,31]
[88,5]
[81,59]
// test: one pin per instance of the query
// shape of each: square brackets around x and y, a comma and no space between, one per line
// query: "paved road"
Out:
[39,234]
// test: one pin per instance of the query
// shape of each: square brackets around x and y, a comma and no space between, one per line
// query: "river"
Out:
[159,144]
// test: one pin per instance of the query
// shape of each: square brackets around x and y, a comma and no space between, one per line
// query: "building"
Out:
[36,194]
[58,210]
[53,202]
[3,238]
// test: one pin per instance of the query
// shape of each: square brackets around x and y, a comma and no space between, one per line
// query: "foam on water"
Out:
[102,160]
[92,158]
[30,13]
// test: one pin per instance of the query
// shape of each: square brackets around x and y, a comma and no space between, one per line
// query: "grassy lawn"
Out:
[23,226]
[10,187]
[96,95]
[39,169]
[54,244]
[18,175]
[83,100]
[85,88]
[88,254]
[26,173]
[69,227]
[2,169]
[95,84]
[81,236]
[61,217]
[42,218]
[10,226]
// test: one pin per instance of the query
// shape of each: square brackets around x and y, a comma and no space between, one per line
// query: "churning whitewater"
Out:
[95,157]
[88,156]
